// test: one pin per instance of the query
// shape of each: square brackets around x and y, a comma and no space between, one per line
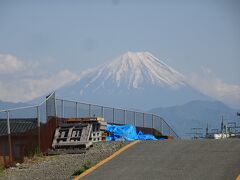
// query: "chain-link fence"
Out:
[143,121]
[29,130]
[26,131]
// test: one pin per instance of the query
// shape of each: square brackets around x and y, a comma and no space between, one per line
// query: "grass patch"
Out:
[85,167]
[120,145]
[34,155]
[33,152]
[2,168]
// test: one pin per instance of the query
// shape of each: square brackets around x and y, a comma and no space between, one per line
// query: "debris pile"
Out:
[77,135]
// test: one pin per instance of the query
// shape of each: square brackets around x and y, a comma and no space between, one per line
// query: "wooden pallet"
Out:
[71,136]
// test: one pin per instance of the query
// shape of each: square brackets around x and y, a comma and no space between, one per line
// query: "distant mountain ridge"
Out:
[196,114]
[9,105]
[136,80]
[181,118]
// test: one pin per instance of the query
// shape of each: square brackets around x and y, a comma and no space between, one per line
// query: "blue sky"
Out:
[200,39]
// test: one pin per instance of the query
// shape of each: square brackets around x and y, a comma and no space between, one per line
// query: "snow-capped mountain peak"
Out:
[133,69]
[134,79]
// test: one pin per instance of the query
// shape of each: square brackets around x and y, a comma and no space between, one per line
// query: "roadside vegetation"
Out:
[2,168]
[82,169]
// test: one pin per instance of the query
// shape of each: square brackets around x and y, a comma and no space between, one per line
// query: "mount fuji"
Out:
[135,79]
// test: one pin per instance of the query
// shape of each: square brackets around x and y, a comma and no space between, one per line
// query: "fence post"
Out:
[113,115]
[62,108]
[76,109]
[55,108]
[56,113]
[9,137]
[125,117]
[162,126]
[135,119]
[102,112]
[89,110]
[38,125]
[143,120]
[152,124]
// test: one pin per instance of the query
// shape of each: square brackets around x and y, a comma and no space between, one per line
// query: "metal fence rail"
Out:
[74,109]
[26,130]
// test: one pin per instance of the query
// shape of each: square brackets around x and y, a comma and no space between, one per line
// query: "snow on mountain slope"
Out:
[131,77]
[133,70]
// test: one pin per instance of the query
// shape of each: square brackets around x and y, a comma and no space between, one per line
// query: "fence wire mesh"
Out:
[143,121]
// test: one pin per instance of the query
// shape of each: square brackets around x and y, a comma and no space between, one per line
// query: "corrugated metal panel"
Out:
[17,125]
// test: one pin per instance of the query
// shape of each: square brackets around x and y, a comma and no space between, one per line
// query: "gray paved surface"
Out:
[181,160]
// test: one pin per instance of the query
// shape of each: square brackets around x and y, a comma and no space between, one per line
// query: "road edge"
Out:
[106,160]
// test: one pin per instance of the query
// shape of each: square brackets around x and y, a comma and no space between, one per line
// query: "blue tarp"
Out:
[126,133]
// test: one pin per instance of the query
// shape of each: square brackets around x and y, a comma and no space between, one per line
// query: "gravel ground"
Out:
[62,166]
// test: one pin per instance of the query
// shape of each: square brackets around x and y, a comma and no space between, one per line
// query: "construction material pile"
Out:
[78,134]
[126,133]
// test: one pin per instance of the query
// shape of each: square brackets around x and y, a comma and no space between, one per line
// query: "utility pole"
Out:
[222,126]
[206,135]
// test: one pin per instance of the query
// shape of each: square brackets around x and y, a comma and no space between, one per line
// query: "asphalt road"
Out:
[174,159]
